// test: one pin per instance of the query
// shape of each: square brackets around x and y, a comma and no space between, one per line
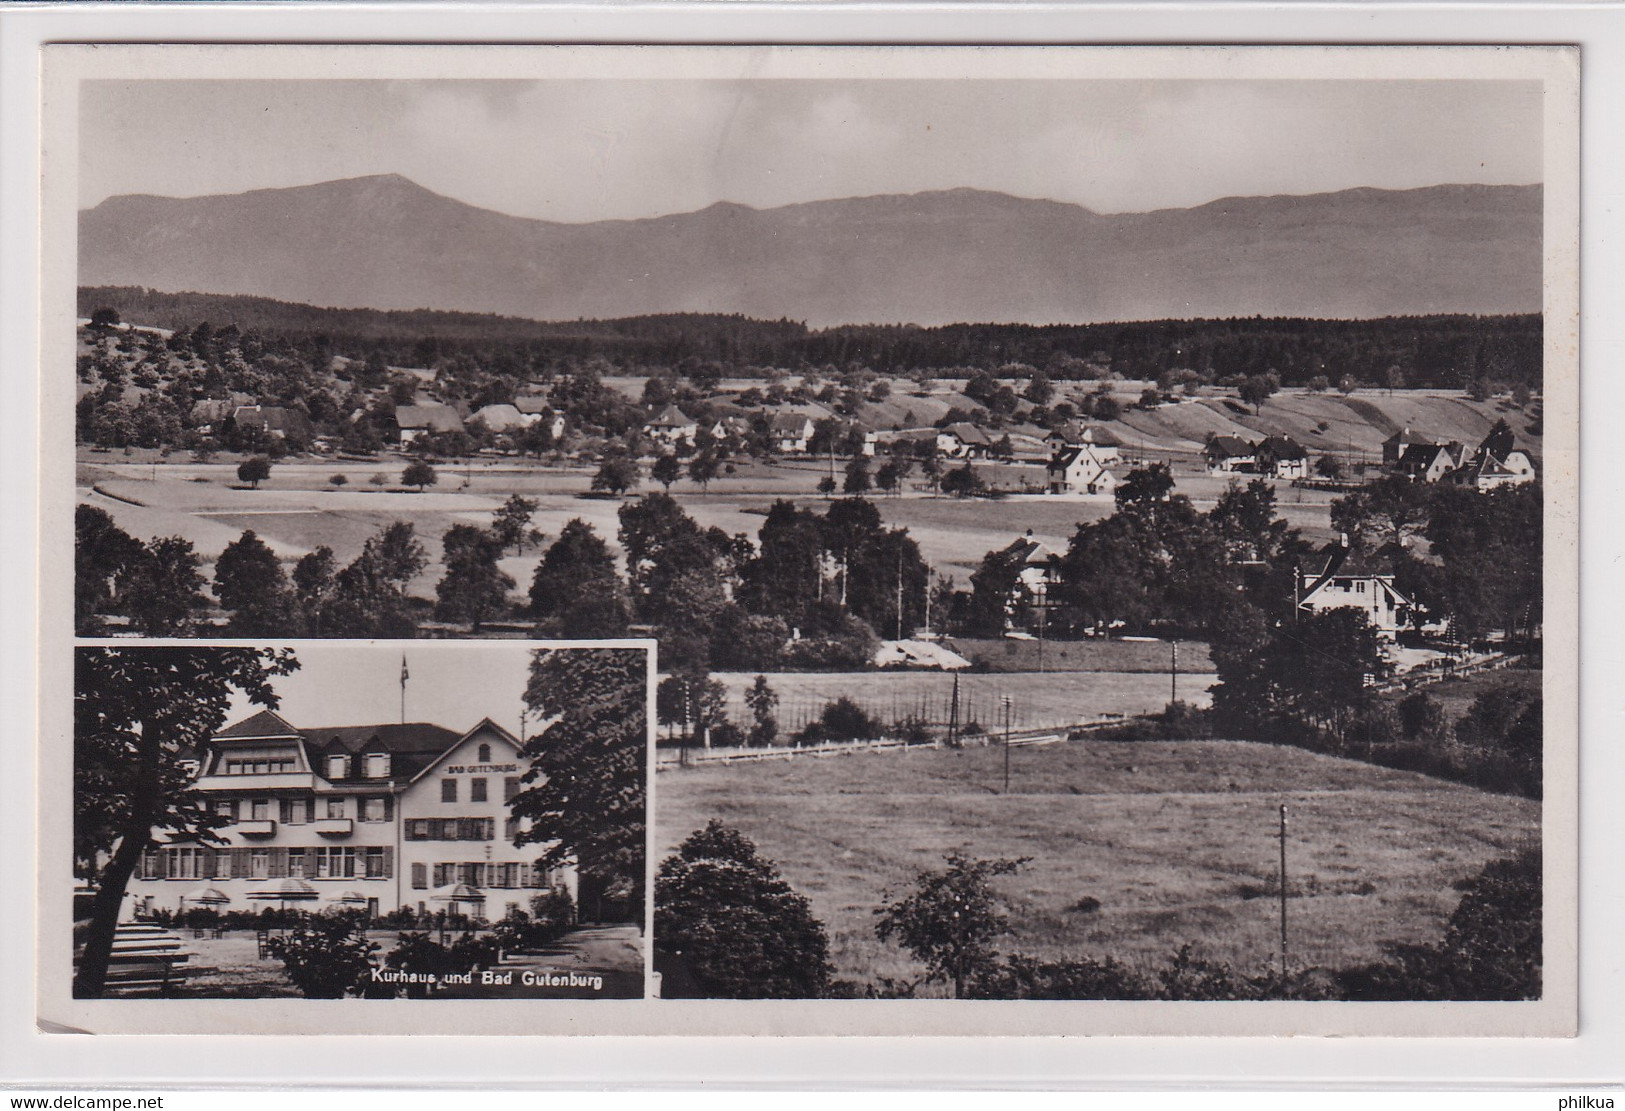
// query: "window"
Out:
[448,790]
[1359,587]
[335,807]
[227,809]
[443,874]
[510,788]
[297,811]
[420,876]
[377,765]
[337,767]
[335,862]
[260,809]
[296,863]
[185,864]
[476,790]
[375,863]
[510,830]
[485,754]
[472,874]
[374,810]
[259,864]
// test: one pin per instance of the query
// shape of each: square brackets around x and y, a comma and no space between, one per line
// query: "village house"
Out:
[963,440]
[1040,572]
[1282,457]
[1078,470]
[672,427]
[1428,462]
[500,417]
[275,421]
[412,421]
[1487,472]
[1341,578]
[208,412]
[1229,455]
[537,408]
[1106,445]
[791,433]
[374,817]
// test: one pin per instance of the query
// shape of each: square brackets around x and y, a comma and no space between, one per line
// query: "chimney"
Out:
[1343,538]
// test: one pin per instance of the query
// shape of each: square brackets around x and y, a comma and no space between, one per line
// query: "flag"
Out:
[404,675]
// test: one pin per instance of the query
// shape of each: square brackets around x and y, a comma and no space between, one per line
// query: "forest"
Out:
[1429,351]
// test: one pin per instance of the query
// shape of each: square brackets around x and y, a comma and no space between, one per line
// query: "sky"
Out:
[451,683]
[577,151]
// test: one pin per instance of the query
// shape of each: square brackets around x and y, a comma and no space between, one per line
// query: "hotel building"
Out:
[376,816]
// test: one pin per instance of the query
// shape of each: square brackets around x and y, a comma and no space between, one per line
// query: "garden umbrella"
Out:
[206,897]
[454,893]
[350,898]
[284,891]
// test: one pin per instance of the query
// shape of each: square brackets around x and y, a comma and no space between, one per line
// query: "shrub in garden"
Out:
[327,957]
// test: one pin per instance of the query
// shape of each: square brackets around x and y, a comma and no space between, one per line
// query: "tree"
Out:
[826,486]
[1256,389]
[693,700]
[249,581]
[254,471]
[328,956]
[703,468]
[997,593]
[963,482]
[1329,466]
[857,476]
[162,591]
[667,469]
[104,319]
[763,700]
[137,712]
[511,523]
[951,918]
[576,592]
[337,480]
[474,588]
[617,474]
[1394,379]
[725,916]
[101,553]
[586,796]
[891,474]
[419,474]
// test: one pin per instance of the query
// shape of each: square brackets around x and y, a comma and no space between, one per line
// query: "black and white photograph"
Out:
[364,821]
[1103,514]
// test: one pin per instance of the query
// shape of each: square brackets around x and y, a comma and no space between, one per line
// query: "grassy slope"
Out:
[1176,840]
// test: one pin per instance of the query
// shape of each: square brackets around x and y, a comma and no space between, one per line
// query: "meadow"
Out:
[1176,840]
[1050,699]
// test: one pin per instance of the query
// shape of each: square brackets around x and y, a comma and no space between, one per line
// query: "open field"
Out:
[1177,840]
[1457,695]
[1083,655]
[1037,700]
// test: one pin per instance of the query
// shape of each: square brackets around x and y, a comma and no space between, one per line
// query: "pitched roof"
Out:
[1228,446]
[266,723]
[670,417]
[432,418]
[272,418]
[409,737]
[1421,456]
[795,423]
[1282,447]
[530,405]
[499,417]
[1031,551]
[968,433]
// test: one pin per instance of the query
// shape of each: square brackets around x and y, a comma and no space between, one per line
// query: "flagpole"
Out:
[403,688]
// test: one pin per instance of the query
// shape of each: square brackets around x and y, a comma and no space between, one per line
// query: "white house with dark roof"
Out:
[1078,470]
[377,817]
[671,427]
[1229,455]
[1340,578]
[412,421]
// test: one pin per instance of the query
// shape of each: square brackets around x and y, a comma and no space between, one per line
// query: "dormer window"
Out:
[377,765]
[485,754]
[338,767]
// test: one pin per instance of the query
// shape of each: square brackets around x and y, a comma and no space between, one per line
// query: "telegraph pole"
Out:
[1173,674]
[1283,896]
[404,677]
[1006,744]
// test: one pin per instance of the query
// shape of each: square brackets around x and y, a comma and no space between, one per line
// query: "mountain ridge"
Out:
[937,256]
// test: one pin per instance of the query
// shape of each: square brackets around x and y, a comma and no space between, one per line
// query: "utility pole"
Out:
[953,716]
[404,677]
[1283,895]
[1006,744]
[1173,674]
[899,591]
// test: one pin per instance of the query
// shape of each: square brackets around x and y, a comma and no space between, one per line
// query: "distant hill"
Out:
[929,258]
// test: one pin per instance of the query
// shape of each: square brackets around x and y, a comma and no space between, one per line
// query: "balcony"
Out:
[335,827]
[255,827]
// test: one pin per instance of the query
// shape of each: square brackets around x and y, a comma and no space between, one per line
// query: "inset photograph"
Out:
[362,820]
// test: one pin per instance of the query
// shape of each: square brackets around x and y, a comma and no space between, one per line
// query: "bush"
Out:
[1023,977]
[727,919]
[327,957]
[337,480]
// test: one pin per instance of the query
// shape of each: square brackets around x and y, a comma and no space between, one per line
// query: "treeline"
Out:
[728,926]
[1434,351]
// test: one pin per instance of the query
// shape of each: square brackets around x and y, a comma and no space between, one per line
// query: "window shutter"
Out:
[310,809]
[389,808]
[279,864]
[389,861]
[420,876]
[239,864]
[164,863]
[285,809]
[510,788]
[209,859]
